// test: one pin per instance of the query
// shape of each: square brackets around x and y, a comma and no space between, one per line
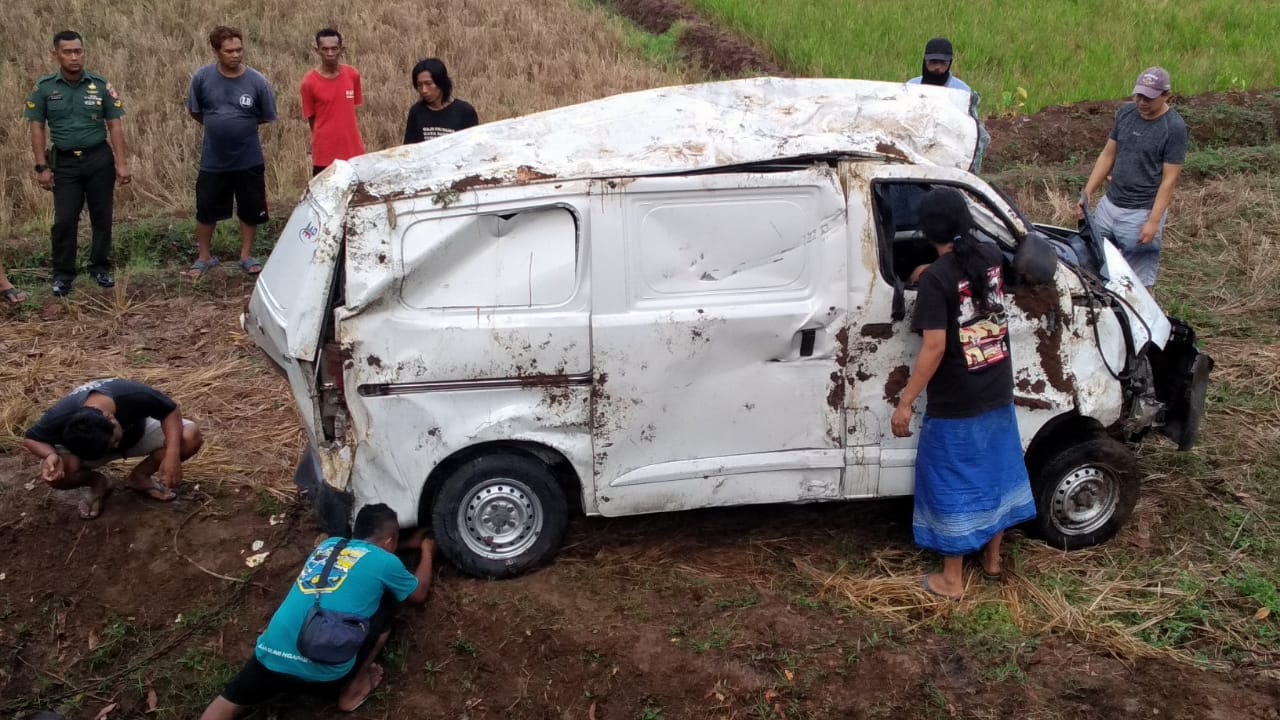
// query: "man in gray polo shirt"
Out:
[1143,159]
[230,100]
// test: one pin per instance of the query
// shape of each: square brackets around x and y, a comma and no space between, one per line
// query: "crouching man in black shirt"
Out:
[108,420]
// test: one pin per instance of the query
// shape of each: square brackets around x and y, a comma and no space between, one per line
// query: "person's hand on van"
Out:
[414,540]
[901,420]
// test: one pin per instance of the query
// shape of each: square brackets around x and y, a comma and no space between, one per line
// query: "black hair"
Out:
[328,32]
[945,219]
[223,33]
[88,433]
[439,75]
[375,522]
[66,36]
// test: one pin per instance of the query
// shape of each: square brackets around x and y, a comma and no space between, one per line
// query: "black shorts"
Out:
[215,192]
[255,684]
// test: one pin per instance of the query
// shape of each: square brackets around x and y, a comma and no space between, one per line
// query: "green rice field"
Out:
[1057,51]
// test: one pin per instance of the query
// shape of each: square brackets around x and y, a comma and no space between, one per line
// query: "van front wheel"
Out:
[498,516]
[1084,492]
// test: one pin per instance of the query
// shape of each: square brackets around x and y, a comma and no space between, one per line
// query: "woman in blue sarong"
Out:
[971,482]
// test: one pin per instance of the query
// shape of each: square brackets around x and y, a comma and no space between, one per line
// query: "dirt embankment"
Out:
[717,50]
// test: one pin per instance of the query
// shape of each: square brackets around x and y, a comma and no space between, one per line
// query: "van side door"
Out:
[718,312]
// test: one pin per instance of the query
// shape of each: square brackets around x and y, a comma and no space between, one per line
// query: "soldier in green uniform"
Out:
[81,110]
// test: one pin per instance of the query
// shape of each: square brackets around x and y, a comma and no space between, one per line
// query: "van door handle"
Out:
[807,340]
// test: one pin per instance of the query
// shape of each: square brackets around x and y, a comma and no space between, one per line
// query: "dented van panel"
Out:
[407,434]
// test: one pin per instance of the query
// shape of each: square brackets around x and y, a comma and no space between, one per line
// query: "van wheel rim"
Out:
[1084,501]
[500,519]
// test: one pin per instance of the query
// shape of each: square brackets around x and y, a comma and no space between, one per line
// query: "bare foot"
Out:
[95,496]
[360,688]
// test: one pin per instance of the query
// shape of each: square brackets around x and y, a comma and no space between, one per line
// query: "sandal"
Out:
[13,295]
[90,506]
[199,268]
[250,266]
[924,583]
[156,491]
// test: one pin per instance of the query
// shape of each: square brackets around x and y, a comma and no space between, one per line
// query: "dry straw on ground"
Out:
[189,346]
[507,57]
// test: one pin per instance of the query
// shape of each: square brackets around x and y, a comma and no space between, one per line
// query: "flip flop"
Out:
[249,264]
[924,583]
[157,491]
[14,296]
[375,679]
[90,507]
[199,268]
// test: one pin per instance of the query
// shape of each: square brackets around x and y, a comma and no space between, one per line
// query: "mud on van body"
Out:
[683,298]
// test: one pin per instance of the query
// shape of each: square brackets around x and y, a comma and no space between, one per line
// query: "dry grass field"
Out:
[507,57]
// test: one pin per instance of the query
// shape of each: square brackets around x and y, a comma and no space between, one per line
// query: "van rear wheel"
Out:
[1084,492]
[500,515]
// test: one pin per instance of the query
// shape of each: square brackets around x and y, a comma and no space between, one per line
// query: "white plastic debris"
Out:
[254,561]
[257,545]
[276,519]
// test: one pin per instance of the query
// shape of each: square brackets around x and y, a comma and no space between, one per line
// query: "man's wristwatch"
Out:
[41,168]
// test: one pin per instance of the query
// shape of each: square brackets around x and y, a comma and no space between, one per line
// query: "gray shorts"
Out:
[1124,227]
[152,440]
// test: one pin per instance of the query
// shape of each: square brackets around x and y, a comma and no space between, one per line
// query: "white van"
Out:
[681,298]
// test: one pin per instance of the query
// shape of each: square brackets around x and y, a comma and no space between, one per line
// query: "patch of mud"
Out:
[1042,305]
[893,386]
[878,331]
[716,49]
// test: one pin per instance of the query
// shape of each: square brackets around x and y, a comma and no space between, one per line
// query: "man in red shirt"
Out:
[330,94]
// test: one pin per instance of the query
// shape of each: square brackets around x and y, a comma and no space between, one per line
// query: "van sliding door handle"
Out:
[807,339]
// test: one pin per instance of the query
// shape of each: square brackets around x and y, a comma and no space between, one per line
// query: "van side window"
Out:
[520,258]
[902,247]
[728,241]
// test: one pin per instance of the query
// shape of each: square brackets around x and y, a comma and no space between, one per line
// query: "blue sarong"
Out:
[971,482]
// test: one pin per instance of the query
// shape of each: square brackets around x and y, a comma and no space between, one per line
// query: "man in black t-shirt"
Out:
[108,420]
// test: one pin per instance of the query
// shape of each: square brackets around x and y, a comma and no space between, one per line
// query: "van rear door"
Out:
[290,302]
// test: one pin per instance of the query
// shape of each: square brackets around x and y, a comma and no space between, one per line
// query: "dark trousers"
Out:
[89,177]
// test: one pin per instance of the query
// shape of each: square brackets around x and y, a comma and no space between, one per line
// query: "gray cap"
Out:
[1153,82]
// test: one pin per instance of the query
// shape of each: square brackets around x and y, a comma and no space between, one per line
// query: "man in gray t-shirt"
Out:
[230,100]
[1141,164]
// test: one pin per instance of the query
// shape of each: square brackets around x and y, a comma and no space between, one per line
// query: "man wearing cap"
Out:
[935,69]
[81,110]
[1141,163]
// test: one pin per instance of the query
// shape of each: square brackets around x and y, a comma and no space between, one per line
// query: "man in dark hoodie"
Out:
[935,69]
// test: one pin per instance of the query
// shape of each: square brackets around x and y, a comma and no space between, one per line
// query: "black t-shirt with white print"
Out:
[975,375]
[426,124]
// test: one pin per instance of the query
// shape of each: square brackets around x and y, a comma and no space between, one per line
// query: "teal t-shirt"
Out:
[361,574]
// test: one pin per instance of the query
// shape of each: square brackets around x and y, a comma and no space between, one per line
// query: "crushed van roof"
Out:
[682,129]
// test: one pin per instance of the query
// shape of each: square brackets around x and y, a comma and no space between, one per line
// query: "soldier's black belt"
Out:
[64,154]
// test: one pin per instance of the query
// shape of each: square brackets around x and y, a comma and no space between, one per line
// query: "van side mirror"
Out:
[899,310]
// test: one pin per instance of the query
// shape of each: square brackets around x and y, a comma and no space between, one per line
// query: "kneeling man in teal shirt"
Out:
[366,580]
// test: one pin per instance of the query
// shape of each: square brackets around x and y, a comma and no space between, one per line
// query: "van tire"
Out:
[1084,492]
[510,499]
